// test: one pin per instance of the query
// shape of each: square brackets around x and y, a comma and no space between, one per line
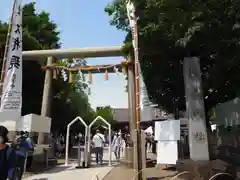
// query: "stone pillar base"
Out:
[128,158]
[204,170]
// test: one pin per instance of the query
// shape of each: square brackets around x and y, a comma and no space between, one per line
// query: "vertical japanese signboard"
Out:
[198,142]
[12,87]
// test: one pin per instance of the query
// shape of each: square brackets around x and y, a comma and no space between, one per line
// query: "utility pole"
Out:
[46,100]
[131,98]
[138,118]
[131,12]
[132,112]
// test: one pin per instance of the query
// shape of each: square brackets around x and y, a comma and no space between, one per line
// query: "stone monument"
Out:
[198,142]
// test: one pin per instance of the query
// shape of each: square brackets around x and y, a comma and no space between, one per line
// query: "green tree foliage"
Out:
[170,30]
[71,99]
[68,99]
[106,113]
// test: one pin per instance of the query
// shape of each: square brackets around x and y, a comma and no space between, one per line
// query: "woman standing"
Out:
[117,144]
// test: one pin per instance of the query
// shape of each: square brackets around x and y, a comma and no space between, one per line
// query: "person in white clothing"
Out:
[98,141]
[117,144]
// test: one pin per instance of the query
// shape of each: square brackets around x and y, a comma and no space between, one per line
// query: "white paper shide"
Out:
[132,21]
[12,86]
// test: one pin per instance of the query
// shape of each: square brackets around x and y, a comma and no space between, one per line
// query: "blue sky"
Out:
[85,24]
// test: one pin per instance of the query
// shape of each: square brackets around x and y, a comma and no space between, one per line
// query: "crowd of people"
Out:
[99,141]
[15,157]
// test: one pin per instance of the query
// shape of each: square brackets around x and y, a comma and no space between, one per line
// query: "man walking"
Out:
[7,157]
[98,141]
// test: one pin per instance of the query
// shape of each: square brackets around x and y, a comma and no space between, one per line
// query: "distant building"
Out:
[122,117]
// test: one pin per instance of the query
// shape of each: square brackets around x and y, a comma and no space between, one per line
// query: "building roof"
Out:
[121,114]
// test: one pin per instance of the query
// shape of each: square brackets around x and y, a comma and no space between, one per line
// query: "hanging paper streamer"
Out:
[115,69]
[89,91]
[124,70]
[89,77]
[106,75]
[82,77]
[132,21]
[54,71]
[70,78]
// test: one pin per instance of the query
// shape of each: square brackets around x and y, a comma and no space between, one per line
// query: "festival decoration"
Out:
[124,71]
[118,69]
[106,75]
[89,77]
[70,77]
[55,72]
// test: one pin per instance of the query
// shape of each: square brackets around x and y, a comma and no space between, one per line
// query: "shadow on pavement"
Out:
[57,169]
[104,165]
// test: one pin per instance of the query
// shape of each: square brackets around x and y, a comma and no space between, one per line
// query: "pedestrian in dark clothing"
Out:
[7,157]
[22,147]
[30,152]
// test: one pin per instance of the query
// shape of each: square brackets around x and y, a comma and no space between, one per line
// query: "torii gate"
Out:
[83,53]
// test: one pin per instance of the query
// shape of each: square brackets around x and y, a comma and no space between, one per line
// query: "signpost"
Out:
[11,100]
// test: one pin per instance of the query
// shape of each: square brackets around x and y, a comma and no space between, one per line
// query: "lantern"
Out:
[106,75]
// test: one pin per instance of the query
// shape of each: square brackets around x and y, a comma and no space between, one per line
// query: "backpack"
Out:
[19,143]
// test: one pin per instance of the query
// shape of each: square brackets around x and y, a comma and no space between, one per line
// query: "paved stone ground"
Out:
[63,173]
[70,172]
[124,173]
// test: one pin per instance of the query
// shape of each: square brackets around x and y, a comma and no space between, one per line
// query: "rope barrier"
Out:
[83,68]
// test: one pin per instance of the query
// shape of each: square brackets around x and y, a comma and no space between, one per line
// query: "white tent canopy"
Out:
[149,130]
